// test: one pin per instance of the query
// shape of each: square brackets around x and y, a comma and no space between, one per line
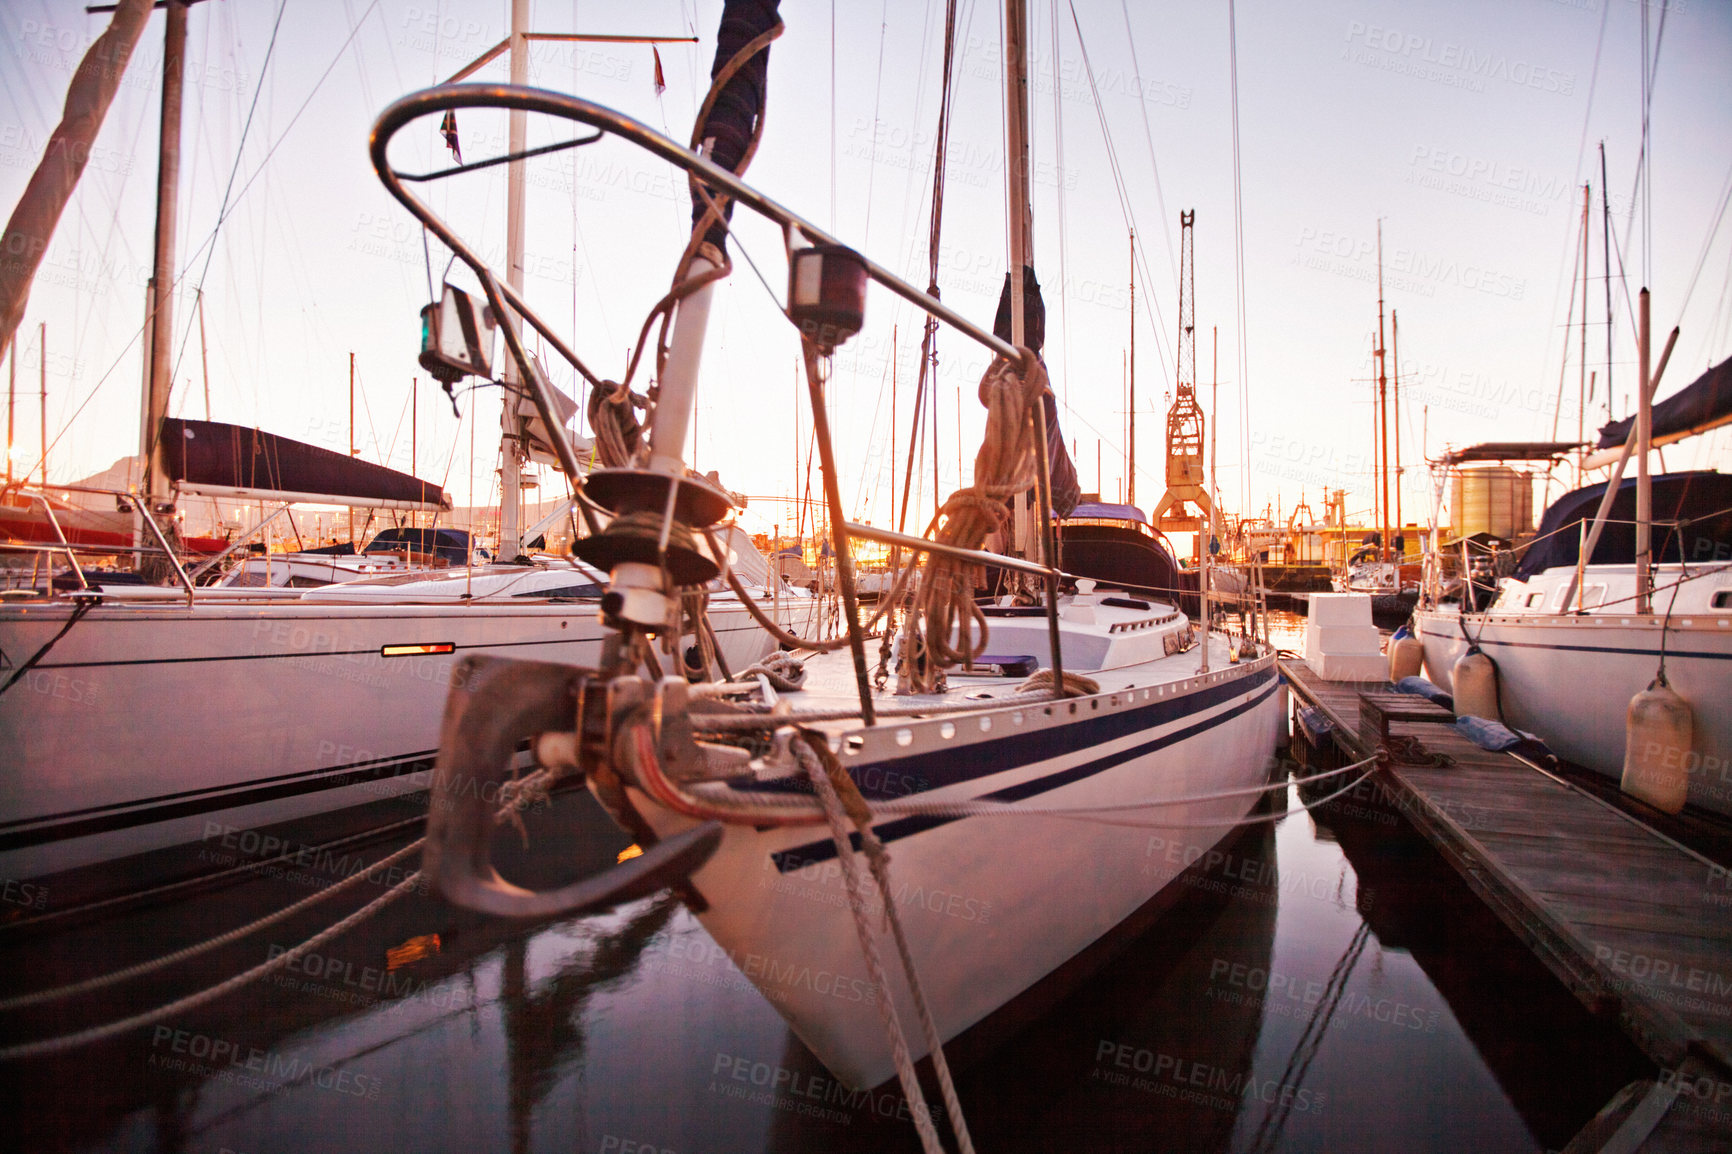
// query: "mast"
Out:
[43,341]
[11,407]
[510,440]
[351,436]
[1016,151]
[937,494]
[1395,356]
[1204,555]
[1382,409]
[1214,425]
[894,553]
[159,293]
[1131,469]
[1644,483]
[1017,215]
[1606,253]
[1582,384]
[414,437]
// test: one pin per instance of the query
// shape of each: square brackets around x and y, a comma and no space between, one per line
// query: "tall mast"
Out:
[159,293]
[932,404]
[1582,384]
[1017,216]
[1204,557]
[351,436]
[1606,253]
[1644,483]
[43,343]
[414,439]
[510,439]
[1214,425]
[1016,150]
[1382,409]
[11,407]
[895,553]
[1395,356]
[1131,468]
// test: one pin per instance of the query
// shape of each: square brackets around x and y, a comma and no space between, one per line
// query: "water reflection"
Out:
[1324,983]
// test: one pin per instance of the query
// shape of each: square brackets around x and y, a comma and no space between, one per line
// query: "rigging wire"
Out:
[211,239]
[1149,140]
[1239,267]
[877,93]
[1641,189]
[228,189]
[1063,274]
[1156,323]
[1581,151]
[1708,241]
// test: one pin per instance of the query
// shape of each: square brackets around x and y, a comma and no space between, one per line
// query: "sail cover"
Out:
[210,458]
[729,127]
[1066,489]
[1692,515]
[1705,403]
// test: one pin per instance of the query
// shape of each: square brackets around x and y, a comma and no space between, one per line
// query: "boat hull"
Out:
[146,727]
[990,904]
[1569,679]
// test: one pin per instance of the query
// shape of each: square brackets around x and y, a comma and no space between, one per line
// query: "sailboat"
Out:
[138,721]
[1587,621]
[1019,812]
[1377,567]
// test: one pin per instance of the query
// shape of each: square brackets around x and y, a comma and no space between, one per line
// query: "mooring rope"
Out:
[104,980]
[517,794]
[206,880]
[820,773]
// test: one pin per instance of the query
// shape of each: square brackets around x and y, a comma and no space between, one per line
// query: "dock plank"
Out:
[1624,916]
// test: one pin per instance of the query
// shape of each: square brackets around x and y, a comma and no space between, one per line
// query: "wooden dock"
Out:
[1638,926]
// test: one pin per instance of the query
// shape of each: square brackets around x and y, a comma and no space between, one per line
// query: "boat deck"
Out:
[1636,925]
[830,684]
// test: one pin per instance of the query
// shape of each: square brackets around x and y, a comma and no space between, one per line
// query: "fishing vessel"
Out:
[1019,811]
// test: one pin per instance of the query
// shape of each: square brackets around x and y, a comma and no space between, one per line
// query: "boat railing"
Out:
[70,549]
[606,122]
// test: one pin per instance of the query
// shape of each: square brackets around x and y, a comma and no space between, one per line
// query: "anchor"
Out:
[572,718]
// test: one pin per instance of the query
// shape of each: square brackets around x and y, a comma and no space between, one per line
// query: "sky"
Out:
[1465,130]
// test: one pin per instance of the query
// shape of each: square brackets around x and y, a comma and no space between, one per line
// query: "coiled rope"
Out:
[1004,467]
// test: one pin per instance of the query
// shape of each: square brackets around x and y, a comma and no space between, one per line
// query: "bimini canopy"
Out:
[1509,451]
[213,459]
[1705,403]
[1106,510]
[1692,522]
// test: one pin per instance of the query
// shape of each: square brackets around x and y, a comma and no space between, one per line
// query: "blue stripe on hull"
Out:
[792,859]
[920,772]
[1655,652]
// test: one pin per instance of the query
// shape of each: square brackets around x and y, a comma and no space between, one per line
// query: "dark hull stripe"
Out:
[128,815]
[320,653]
[793,859]
[1670,652]
[917,773]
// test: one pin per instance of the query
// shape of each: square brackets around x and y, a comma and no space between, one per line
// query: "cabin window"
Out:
[1723,599]
[1533,599]
[1593,596]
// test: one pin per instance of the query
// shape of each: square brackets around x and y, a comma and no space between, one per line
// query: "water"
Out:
[1326,983]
